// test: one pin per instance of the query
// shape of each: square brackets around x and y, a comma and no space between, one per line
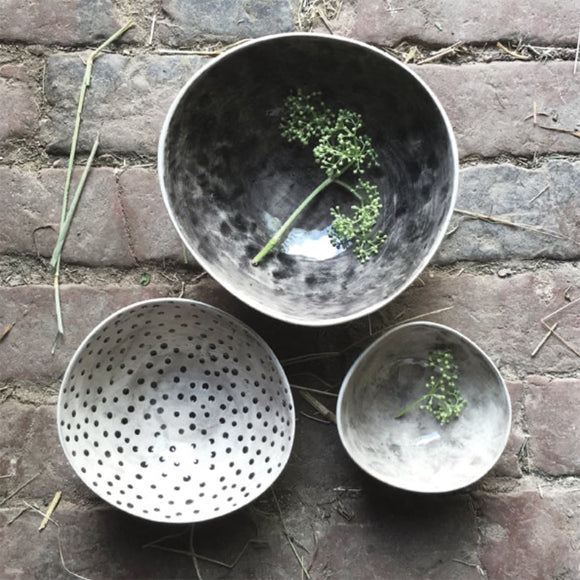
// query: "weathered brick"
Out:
[126,102]
[490,105]
[102,544]
[525,535]
[64,22]
[229,20]
[32,208]
[441,23]
[30,447]
[393,534]
[19,114]
[508,464]
[553,408]
[120,219]
[487,103]
[505,191]
[25,352]
[502,315]
[153,235]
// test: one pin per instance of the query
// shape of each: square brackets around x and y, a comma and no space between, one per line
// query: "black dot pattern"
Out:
[175,411]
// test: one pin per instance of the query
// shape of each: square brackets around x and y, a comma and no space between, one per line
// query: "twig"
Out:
[18,489]
[419,316]
[73,206]
[6,331]
[563,341]
[558,336]
[50,510]
[155,544]
[538,194]
[216,52]
[441,53]
[309,357]
[193,555]
[20,513]
[512,53]
[287,534]
[315,391]
[543,341]
[476,566]
[325,20]
[317,419]
[71,161]
[561,309]
[68,570]
[559,130]
[326,413]
[577,51]
[152,31]
[492,219]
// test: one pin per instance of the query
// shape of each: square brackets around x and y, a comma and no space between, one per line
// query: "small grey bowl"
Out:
[229,180]
[175,411]
[416,452]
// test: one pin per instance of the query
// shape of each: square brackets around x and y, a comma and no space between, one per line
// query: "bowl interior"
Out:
[416,452]
[229,179]
[174,411]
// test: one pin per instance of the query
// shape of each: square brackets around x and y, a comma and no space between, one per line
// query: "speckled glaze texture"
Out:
[229,179]
[416,452]
[175,411]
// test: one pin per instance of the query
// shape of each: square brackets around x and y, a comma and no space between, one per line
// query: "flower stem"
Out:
[349,188]
[409,407]
[286,225]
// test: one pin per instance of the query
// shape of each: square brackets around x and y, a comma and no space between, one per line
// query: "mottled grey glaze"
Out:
[229,179]
[415,452]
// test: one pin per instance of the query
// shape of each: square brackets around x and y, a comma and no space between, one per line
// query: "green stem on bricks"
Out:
[73,206]
[71,161]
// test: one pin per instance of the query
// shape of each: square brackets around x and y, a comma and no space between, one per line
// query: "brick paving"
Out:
[522,520]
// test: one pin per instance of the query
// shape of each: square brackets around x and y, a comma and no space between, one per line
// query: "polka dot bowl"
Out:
[175,411]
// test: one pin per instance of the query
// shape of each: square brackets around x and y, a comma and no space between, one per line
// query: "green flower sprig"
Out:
[339,147]
[443,400]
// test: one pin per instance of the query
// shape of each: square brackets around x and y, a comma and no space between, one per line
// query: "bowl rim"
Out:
[255,303]
[111,317]
[360,360]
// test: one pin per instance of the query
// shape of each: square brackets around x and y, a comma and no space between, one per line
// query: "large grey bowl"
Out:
[416,452]
[229,179]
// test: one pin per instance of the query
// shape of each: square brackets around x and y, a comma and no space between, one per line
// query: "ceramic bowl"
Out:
[416,452]
[229,179]
[174,411]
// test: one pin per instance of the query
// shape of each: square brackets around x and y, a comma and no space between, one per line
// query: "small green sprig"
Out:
[443,400]
[339,147]
[356,231]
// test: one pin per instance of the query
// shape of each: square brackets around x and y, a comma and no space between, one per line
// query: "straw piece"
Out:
[543,341]
[75,201]
[18,489]
[50,510]
[326,413]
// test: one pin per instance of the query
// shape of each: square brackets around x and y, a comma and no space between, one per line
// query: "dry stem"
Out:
[512,53]
[18,489]
[326,413]
[492,219]
[287,534]
[441,53]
